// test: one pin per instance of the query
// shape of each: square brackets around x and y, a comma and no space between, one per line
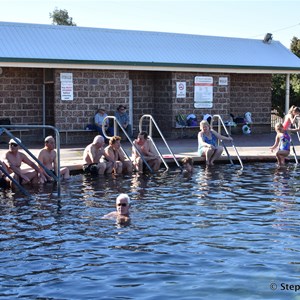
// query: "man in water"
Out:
[122,208]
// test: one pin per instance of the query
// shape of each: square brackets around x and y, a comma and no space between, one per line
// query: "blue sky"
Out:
[238,18]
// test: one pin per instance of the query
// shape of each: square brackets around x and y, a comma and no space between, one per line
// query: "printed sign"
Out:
[66,83]
[223,81]
[203,92]
[180,89]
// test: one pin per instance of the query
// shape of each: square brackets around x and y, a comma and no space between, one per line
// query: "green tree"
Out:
[61,17]
[279,84]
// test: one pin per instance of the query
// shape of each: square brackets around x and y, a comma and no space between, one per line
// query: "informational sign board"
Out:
[180,89]
[66,83]
[223,80]
[203,92]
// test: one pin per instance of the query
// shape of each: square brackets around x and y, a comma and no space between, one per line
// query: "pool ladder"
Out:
[152,123]
[3,129]
[221,123]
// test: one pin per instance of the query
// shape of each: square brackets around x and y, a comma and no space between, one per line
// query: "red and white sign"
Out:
[203,92]
[180,89]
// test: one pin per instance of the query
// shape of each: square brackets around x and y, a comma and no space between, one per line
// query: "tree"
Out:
[61,17]
[279,84]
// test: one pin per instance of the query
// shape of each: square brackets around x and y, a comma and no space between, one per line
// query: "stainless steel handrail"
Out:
[152,121]
[220,122]
[116,125]
[57,177]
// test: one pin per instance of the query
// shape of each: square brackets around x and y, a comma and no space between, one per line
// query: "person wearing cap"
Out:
[92,155]
[114,155]
[48,157]
[98,120]
[13,160]
[123,118]
[122,208]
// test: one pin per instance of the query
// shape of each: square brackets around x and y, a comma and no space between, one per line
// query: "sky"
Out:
[236,18]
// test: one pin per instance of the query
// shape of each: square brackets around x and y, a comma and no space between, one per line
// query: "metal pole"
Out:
[287,93]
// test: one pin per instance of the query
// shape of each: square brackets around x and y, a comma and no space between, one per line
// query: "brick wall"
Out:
[252,92]
[92,89]
[143,97]
[21,94]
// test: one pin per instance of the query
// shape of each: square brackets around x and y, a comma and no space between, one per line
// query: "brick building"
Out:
[139,69]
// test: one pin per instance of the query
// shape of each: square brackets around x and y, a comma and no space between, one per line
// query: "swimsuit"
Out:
[212,141]
[91,168]
[285,142]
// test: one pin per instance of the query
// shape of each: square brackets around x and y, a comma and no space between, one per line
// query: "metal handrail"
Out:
[3,128]
[116,125]
[220,122]
[152,121]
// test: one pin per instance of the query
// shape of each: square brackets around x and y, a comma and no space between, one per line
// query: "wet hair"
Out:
[123,196]
[114,139]
[188,160]
[144,134]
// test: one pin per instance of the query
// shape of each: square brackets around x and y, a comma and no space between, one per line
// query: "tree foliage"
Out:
[279,85]
[61,17]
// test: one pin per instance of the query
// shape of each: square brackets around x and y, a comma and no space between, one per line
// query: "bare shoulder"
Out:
[111,215]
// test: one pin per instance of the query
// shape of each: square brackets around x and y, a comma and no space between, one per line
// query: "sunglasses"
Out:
[14,144]
[122,204]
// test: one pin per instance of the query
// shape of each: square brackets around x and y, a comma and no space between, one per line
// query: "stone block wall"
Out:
[252,92]
[21,96]
[92,89]
[143,97]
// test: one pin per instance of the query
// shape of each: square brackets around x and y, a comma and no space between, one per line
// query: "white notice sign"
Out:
[180,89]
[66,83]
[203,92]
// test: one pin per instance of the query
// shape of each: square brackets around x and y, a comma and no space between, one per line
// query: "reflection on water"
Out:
[222,232]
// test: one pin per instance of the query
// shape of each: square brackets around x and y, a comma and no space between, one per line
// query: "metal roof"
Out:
[71,46]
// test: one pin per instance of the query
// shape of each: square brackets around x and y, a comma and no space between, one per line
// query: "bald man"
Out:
[47,156]
[91,157]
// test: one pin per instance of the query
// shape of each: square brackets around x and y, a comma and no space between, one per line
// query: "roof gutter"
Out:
[142,66]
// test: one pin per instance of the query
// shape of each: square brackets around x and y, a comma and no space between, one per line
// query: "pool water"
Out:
[222,233]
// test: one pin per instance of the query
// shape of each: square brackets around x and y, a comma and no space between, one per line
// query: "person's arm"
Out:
[29,162]
[221,137]
[276,143]
[109,155]
[96,119]
[93,154]
[10,165]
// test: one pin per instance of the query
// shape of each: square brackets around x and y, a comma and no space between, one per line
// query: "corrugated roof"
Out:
[21,42]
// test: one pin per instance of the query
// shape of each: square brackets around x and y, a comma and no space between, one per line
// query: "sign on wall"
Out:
[66,83]
[180,89]
[203,92]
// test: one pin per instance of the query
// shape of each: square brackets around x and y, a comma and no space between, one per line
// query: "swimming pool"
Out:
[223,233]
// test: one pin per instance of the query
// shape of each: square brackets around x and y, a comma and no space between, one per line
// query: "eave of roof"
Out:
[49,46]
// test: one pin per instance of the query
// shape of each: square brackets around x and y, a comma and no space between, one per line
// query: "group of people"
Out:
[283,139]
[121,115]
[101,159]
[37,173]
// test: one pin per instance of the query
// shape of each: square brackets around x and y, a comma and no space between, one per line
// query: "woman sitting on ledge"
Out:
[208,143]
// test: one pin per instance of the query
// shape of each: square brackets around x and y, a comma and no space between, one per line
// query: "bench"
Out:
[66,131]
[215,127]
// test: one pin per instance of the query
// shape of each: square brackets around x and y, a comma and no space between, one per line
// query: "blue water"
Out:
[223,233]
